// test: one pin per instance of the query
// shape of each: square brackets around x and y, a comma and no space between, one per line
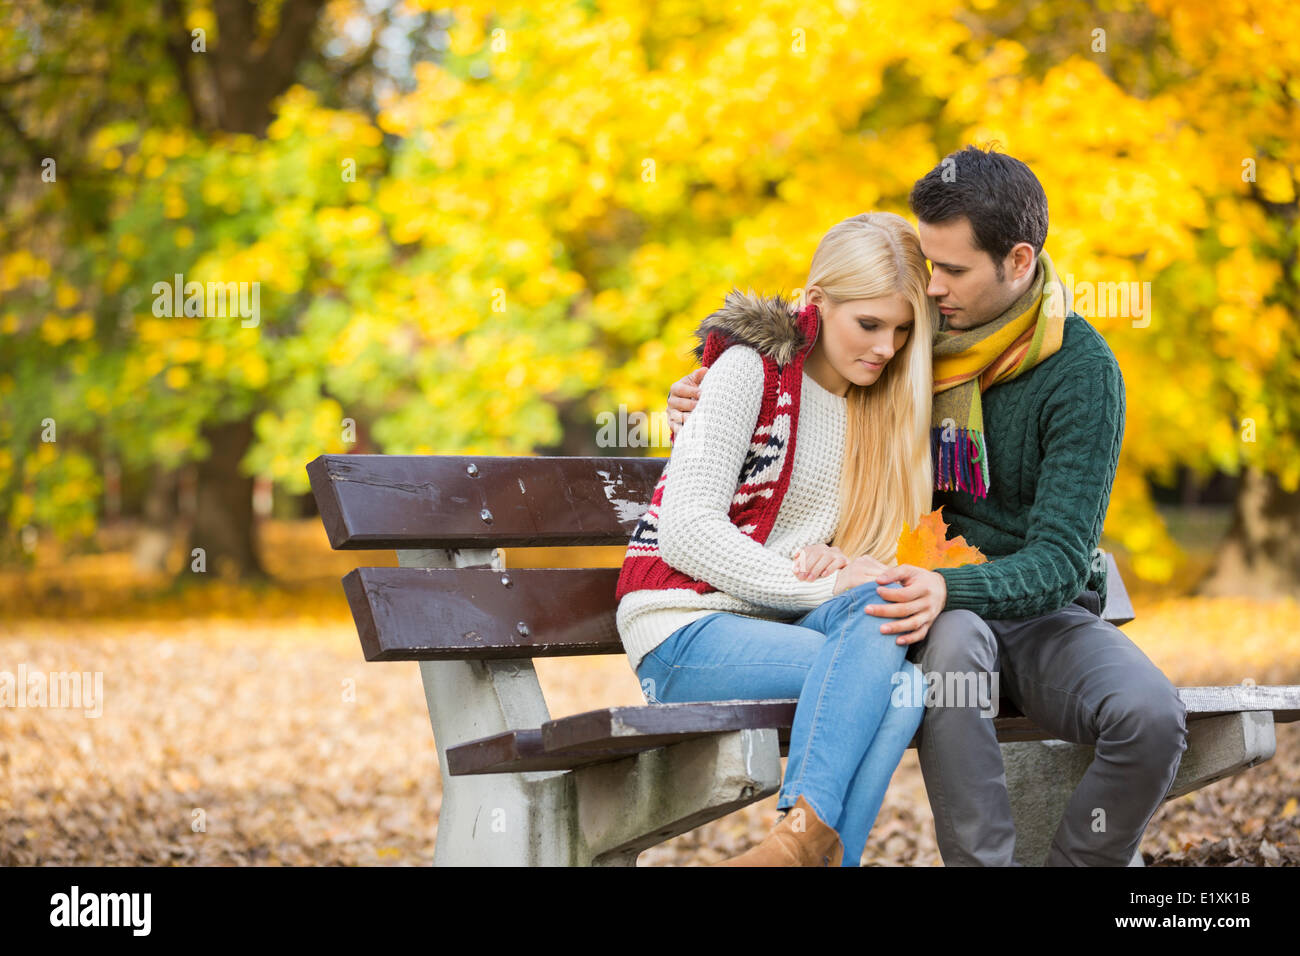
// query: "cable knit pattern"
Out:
[1055,436]
[696,535]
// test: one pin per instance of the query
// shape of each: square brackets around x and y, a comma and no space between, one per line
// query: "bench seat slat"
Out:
[1282,700]
[613,733]
[520,751]
[657,725]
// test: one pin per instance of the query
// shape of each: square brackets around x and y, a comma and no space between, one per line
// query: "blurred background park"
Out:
[474,228]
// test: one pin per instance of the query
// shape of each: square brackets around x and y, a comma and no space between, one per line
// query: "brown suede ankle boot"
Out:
[800,838]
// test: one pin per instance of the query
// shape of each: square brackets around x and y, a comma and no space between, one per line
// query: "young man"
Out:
[1027,425]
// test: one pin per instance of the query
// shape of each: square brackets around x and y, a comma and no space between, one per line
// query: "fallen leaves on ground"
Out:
[218,743]
[274,742]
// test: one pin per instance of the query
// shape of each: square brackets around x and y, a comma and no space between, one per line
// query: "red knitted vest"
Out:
[763,478]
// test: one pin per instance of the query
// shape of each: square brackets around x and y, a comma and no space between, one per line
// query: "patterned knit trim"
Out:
[765,473]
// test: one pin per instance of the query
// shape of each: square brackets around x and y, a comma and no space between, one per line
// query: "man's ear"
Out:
[1021,260]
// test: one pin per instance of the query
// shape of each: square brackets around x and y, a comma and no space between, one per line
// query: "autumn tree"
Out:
[516,224]
[113,113]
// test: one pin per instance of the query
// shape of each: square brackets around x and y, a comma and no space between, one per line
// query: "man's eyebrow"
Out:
[946,265]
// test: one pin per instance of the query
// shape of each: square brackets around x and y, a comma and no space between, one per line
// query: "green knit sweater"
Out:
[1054,435]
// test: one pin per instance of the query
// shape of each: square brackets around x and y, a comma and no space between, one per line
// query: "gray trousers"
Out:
[1080,679]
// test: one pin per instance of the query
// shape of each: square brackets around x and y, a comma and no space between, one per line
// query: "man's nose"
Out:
[935,289]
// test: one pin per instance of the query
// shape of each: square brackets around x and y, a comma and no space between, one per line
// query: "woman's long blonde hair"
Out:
[886,479]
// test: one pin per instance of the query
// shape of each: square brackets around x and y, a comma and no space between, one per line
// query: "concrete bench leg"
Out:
[1041,775]
[495,819]
[507,819]
[622,808]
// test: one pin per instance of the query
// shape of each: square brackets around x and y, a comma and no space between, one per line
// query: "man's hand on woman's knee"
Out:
[915,605]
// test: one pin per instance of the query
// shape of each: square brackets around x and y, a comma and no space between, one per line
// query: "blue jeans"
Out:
[850,727]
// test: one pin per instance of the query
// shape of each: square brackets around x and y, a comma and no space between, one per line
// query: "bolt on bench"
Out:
[597,788]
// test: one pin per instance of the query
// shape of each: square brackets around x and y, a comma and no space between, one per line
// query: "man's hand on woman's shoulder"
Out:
[682,398]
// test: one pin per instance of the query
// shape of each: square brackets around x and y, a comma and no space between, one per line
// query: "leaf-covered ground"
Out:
[243,726]
[270,741]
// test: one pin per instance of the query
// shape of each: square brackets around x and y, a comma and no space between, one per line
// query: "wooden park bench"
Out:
[597,788]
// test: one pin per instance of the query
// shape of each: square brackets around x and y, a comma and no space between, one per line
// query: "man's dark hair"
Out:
[999,194]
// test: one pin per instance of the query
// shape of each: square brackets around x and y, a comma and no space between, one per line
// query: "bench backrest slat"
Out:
[378,502]
[430,614]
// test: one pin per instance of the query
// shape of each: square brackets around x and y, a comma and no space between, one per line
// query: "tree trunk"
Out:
[247,75]
[224,525]
[158,525]
[1260,557]
[577,433]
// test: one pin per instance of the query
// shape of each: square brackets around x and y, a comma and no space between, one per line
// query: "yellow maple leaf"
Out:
[925,546]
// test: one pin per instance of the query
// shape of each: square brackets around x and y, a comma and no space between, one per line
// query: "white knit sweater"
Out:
[696,535]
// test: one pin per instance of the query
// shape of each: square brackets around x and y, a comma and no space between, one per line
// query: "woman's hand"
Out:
[818,560]
[682,398]
[859,571]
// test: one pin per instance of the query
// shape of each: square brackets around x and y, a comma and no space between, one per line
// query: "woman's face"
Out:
[858,338]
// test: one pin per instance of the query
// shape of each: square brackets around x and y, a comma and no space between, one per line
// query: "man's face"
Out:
[963,280]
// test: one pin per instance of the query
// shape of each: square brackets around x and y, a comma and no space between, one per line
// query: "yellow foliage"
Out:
[97,400]
[174,205]
[117,273]
[55,330]
[185,350]
[214,356]
[66,296]
[21,265]
[254,370]
[130,245]
[617,167]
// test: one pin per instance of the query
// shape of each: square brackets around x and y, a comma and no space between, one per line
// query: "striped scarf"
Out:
[968,361]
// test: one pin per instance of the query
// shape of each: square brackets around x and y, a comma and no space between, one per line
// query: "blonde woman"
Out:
[750,573]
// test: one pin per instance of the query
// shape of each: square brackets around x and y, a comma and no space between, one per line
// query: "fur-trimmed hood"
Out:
[771,325]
